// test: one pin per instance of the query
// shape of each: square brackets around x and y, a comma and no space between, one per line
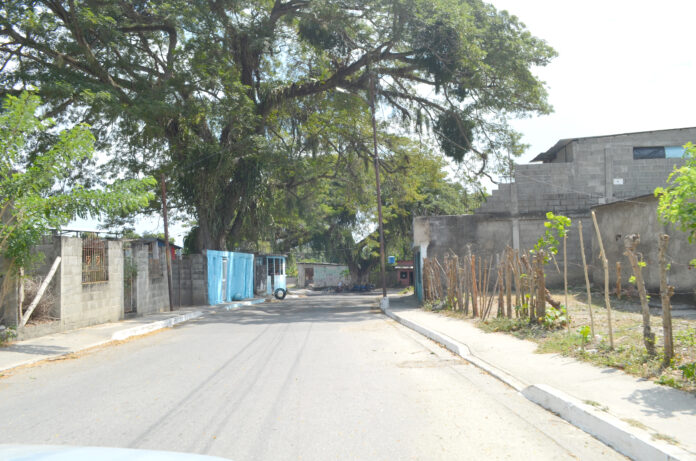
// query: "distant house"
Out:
[404,271]
[321,275]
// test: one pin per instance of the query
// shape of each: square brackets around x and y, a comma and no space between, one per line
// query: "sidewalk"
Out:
[58,344]
[660,414]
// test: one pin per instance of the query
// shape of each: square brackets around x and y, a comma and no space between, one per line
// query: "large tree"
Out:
[213,92]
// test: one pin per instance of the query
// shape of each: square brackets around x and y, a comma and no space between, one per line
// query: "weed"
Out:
[689,371]
[7,335]
[597,405]
[669,381]
[637,424]
[665,438]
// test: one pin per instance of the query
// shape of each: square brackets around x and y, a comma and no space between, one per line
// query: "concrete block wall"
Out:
[639,216]
[488,236]
[89,304]
[152,291]
[588,172]
[190,280]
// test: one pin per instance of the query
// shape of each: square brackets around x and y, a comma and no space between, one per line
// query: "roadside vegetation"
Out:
[629,353]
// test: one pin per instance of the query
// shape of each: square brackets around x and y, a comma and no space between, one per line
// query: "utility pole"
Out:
[375,159]
[166,240]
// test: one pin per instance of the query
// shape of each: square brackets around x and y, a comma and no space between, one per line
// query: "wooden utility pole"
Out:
[375,159]
[166,240]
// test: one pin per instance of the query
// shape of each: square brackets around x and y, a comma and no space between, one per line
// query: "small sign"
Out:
[618,181]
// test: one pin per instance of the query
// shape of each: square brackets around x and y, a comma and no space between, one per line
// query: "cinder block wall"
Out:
[583,174]
[152,292]
[89,304]
[488,236]
[190,280]
[639,216]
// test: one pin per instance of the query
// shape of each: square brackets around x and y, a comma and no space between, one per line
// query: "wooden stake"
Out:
[501,291]
[605,264]
[39,293]
[587,280]
[666,292]
[508,283]
[618,279]
[565,277]
[474,294]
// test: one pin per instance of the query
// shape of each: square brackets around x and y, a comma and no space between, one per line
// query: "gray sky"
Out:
[623,66]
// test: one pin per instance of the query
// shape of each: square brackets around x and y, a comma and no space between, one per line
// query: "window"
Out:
[95,260]
[275,266]
[642,153]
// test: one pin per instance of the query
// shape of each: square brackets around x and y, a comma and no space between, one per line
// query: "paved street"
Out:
[315,378]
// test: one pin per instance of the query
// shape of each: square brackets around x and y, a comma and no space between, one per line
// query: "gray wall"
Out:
[152,294]
[639,216]
[325,275]
[488,236]
[89,304]
[190,280]
[583,174]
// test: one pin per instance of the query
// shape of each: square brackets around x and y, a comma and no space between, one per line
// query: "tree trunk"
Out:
[630,244]
[474,294]
[541,288]
[666,292]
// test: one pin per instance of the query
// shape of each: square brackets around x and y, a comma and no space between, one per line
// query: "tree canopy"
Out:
[677,201]
[225,96]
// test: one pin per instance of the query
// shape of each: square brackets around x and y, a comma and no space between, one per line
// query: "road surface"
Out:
[316,378]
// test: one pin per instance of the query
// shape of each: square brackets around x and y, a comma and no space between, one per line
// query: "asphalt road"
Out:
[316,378]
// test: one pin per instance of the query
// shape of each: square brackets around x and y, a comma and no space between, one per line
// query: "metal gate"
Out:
[130,275]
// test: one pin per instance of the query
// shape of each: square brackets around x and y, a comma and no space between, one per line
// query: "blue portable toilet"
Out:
[230,276]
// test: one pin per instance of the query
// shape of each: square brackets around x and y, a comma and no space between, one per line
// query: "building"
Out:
[322,275]
[404,273]
[573,176]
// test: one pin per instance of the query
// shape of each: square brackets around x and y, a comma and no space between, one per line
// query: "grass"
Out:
[629,352]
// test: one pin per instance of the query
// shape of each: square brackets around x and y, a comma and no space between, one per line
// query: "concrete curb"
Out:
[147,328]
[117,336]
[240,304]
[632,442]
